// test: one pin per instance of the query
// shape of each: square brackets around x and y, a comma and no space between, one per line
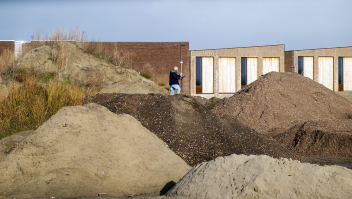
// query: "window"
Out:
[249,70]
[305,66]
[204,75]
[198,75]
[300,65]
[340,73]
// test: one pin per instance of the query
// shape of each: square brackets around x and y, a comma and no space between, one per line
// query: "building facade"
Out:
[331,67]
[222,72]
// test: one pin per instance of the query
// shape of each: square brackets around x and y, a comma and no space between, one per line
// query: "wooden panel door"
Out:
[227,75]
[252,70]
[347,73]
[207,75]
[326,66]
[270,64]
[308,67]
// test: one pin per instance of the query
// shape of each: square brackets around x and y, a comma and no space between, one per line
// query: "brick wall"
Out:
[7,45]
[157,58]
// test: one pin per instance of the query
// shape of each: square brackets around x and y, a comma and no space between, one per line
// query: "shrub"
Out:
[146,75]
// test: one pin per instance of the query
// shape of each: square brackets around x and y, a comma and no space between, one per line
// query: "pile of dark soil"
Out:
[326,138]
[278,101]
[190,129]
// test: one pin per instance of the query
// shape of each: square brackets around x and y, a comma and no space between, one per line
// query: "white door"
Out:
[308,67]
[207,75]
[252,70]
[270,64]
[347,74]
[326,72]
[227,75]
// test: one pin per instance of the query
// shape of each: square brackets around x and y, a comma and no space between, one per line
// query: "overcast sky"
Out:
[205,24]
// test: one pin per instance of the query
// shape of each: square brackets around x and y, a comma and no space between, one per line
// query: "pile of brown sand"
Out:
[190,129]
[240,176]
[327,138]
[86,69]
[87,150]
[277,101]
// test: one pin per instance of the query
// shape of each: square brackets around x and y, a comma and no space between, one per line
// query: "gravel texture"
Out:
[278,101]
[190,129]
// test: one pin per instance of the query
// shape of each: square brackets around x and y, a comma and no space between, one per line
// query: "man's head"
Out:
[175,68]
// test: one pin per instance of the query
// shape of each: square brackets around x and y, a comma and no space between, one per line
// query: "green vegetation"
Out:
[97,55]
[146,75]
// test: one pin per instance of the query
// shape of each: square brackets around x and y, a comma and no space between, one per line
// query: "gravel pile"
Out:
[327,138]
[190,129]
[278,101]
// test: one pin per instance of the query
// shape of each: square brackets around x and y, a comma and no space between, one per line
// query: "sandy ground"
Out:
[240,176]
[86,150]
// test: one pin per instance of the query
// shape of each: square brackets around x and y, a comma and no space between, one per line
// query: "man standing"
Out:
[173,81]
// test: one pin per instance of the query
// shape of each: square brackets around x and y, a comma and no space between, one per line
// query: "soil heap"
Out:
[87,150]
[240,176]
[327,138]
[190,129]
[85,69]
[278,101]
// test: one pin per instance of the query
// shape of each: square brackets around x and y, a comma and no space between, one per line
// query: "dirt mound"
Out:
[84,151]
[240,176]
[70,63]
[277,101]
[190,129]
[327,138]
[346,94]
[9,143]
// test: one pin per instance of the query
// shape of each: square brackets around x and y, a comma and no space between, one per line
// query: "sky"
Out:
[205,24]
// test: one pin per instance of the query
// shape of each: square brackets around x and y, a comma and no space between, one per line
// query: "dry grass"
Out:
[28,106]
[59,55]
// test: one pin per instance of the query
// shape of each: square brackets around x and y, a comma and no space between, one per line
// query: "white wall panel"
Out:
[347,73]
[207,74]
[227,75]
[270,64]
[326,71]
[308,67]
[252,70]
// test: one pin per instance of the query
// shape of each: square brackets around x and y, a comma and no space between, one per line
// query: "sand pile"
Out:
[278,101]
[190,129]
[83,151]
[240,176]
[346,94]
[328,138]
[87,70]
